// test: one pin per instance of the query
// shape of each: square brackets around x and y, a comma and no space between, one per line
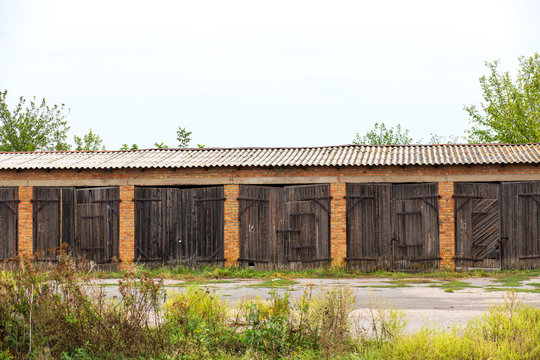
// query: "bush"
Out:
[53,315]
[267,326]
[197,321]
[280,328]
[56,315]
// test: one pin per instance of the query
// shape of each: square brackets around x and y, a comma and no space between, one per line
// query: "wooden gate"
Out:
[53,217]
[520,224]
[8,222]
[307,221]
[97,228]
[369,229]
[392,226]
[284,226]
[259,210]
[478,224]
[415,226]
[150,229]
[175,225]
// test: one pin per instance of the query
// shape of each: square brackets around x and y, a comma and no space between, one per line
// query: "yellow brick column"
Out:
[447,224]
[338,224]
[127,226]
[231,225]
[25,244]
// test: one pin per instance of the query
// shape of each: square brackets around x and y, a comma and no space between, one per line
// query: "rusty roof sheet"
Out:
[343,155]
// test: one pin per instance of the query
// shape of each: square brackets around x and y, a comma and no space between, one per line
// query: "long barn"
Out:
[367,207]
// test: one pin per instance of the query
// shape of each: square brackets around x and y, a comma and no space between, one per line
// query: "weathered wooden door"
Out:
[478,224]
[53,217]
[150,240]
[303,237]
[97,229]
[179,225]
[520,238]
[284,226]
[306,223]
[369,230]
[8,222]
[207,211]
[415,226]
[259,216]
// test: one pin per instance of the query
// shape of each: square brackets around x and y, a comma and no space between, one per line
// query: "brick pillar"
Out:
[232,224]
[338,224]
[25,244]
[446,224]
[127,226]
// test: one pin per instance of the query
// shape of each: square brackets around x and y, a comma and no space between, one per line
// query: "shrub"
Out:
[53,315]
[267,325]
[280,328]
[197,321]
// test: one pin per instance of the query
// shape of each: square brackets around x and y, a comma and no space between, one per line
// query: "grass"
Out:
[413,281]
[534,291]
[507,277]
[52,315]
[392,285]
[454,285]
[275,283]
[512,279]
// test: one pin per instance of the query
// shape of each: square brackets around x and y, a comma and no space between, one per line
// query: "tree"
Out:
[127,147]
[32,126]
[89,142]
[183,136]
[510,112]
[380,135]
[443,139]
[161,145]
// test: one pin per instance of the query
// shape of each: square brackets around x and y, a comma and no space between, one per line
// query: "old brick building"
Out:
[400,207]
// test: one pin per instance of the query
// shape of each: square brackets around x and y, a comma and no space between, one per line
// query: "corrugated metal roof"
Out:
[344,155]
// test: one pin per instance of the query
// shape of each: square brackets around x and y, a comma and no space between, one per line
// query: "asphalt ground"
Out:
[423,301]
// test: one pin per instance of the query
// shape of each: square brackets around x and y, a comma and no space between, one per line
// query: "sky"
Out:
[259,73]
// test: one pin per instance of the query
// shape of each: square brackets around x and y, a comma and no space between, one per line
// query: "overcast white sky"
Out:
[259,73]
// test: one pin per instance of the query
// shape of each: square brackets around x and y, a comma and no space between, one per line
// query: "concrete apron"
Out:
[422,303]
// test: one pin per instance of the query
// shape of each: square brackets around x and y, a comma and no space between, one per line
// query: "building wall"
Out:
[231,177]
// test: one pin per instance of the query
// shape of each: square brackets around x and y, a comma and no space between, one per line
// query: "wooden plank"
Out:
[149,237]
[520,224]
[415,223]
[257,242]
[97,224]
[477,214]
[47,222]
[8,225]
[368,226]
[314,236]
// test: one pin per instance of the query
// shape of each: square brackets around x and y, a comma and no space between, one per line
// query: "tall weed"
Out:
[54,314]
[506,331]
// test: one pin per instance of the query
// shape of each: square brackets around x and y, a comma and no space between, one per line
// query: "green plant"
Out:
[54,314]
[197,319]
[508,331]
[267,324]
[387,324]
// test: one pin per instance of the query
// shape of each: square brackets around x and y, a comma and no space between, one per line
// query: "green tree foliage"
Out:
[127,147]
[183,136]
[381,135]
[510,112]
[443,139]
[89,142]
[32,126]
[161,145]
